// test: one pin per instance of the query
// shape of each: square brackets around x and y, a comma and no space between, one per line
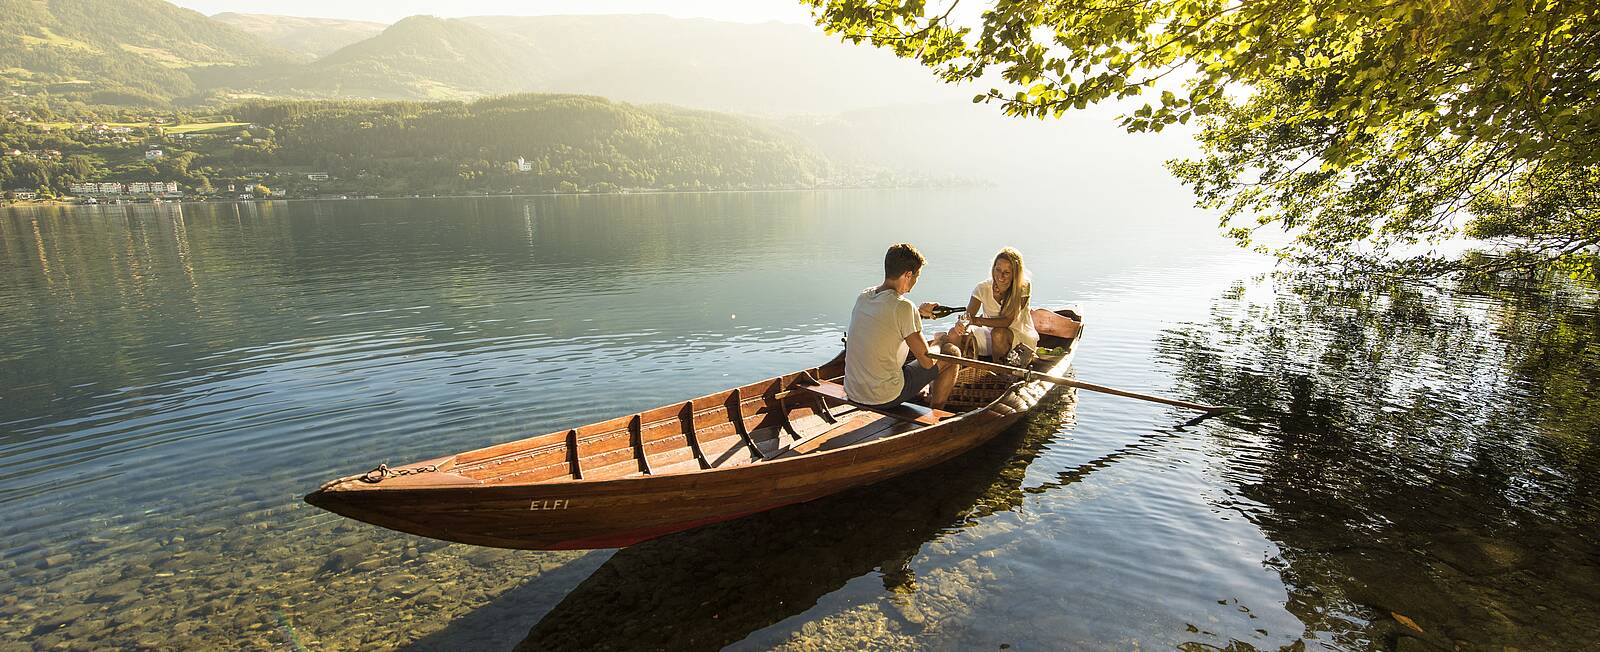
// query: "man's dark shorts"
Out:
[916,377]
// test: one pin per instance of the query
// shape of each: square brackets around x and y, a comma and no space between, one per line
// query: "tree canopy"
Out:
[1369,132]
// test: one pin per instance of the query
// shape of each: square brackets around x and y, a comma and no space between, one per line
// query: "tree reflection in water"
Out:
[1427,452]
[713,586]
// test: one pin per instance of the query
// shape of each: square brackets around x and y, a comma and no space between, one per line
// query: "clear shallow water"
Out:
[173,378]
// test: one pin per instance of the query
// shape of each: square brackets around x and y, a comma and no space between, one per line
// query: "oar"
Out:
[1049,378]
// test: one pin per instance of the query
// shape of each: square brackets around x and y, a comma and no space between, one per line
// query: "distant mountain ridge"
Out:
[767,68]
[771,68]
[420,57]
[307,37]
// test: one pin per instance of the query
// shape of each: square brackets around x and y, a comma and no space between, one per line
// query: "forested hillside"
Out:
[565,143]
[568,142]
[116,51]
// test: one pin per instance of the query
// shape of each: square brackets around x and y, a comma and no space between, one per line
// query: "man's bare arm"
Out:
[919,348]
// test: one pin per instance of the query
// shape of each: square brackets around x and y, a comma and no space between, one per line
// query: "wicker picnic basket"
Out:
[976,388]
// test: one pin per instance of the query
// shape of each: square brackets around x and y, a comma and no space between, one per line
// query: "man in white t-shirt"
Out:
[884,327]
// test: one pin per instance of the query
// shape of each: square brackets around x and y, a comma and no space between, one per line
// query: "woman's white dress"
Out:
[1022,331]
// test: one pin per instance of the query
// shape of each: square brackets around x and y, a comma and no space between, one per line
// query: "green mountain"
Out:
[420,57]
[308,37]
[116,51]
[513,143]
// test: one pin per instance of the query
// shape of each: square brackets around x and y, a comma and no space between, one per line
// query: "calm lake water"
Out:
[1416,468]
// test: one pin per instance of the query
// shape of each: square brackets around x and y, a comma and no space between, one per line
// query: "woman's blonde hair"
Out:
[1020,288]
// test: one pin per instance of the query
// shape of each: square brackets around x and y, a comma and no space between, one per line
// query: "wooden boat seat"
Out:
[905,411]
[855,427]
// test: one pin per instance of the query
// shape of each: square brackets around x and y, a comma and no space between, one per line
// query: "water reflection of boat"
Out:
[738,452]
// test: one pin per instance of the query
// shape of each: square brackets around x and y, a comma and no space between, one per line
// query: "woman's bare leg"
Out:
[1000,345]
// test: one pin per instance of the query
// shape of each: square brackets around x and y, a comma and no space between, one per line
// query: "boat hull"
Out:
[624,511]
[577,513]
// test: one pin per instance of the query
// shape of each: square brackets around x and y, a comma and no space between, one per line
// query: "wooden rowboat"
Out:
[777,442]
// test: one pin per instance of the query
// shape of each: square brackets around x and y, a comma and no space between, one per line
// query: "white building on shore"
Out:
[133,188]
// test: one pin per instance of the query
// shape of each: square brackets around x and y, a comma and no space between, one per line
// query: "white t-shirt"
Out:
[876,346]
[1022,330]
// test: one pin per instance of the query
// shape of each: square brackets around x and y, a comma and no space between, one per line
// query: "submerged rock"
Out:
[55,560]
[65,616]
[404,585]
[116,591]
[346,557]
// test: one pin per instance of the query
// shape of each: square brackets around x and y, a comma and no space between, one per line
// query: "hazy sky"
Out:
[388,11]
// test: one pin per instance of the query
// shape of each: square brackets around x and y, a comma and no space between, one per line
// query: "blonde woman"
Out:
[998,312]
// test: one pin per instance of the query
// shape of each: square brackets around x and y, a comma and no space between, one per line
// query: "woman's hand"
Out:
[960,329]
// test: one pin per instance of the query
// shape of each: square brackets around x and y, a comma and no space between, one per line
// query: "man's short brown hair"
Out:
[902,258]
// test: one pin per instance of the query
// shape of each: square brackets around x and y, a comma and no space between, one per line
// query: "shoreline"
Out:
[55,203]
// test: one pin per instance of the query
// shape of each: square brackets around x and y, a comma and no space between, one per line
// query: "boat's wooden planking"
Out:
[608,514]
[729,428]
